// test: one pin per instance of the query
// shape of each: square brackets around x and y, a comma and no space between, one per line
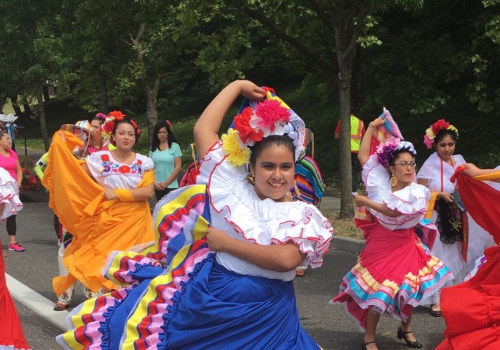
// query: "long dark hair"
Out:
[155,142]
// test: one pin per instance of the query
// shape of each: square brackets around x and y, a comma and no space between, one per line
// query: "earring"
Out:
[251,179]
[394,180]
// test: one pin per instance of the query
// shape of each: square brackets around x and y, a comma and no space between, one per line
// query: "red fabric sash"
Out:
[481,201]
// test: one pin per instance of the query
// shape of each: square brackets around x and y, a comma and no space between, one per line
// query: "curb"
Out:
[347,244]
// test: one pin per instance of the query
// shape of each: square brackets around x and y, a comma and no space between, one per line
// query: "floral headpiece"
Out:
[259,119]
[385,151]
[434,129]
[168,123]
[101,116]
[109,123]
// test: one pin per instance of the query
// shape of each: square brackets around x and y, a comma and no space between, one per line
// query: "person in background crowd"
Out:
[357,133]
[166,155]
[10,162]
[7,123]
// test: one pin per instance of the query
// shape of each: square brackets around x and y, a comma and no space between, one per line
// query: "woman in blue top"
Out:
[166,155]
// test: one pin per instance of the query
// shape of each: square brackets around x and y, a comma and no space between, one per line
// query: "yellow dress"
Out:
[99,226]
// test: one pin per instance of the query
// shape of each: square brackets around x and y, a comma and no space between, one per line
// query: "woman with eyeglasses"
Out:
[394,271]
[461,241]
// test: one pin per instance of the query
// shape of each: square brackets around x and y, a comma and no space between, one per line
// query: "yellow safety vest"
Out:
[356,133]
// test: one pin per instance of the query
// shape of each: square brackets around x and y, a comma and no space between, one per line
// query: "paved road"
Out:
[328,324]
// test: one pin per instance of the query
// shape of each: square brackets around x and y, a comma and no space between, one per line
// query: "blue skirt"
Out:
[220,309]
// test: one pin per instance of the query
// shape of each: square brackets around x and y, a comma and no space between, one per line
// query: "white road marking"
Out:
[36,302]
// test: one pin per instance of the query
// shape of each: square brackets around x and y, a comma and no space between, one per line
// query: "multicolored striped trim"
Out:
[182,249]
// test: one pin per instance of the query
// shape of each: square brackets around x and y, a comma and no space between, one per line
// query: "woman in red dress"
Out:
[11,332]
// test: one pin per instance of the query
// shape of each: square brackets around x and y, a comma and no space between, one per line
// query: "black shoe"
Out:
[412,344]
[363,346]
[435,313]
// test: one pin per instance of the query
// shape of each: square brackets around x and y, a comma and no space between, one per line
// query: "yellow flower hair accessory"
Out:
[236,154]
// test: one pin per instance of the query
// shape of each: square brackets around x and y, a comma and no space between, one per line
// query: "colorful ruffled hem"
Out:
[389,292]
[152,289]
[360,291]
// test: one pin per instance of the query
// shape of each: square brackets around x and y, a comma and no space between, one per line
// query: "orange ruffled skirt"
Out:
[98,226]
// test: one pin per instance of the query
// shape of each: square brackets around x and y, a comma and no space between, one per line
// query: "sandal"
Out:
[61,306]
[364,344]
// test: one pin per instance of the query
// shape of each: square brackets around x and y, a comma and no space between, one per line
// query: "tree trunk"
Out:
[27,110]
[103,97]
[345,40]
[46,95]
[41,115]
[151,95]
[15,106]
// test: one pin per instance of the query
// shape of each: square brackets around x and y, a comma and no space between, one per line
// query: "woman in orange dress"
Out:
[102,201]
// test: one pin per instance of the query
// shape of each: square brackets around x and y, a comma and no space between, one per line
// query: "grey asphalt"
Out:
[328,324]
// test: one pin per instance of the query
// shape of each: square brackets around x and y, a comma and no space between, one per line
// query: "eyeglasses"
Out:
[405,164]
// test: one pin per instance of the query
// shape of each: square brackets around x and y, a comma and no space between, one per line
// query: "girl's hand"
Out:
[109,194]
[377,122]
[217,239]
[360,200]
[158,186]
[250,90]
[448,198]
[471,170]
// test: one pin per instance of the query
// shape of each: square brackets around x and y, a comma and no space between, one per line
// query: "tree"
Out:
[326,34]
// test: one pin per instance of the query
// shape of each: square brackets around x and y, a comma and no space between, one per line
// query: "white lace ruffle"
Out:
[262,221]
[376,179]
[410,201]
[9,195]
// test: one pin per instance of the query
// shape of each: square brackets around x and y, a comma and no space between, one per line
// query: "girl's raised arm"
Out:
[207,127]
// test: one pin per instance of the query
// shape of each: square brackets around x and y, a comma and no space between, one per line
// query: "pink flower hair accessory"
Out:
[385,150]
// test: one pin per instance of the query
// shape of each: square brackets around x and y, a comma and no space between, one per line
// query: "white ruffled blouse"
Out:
[410,201]
[109,172]
[437,180]
[236,209]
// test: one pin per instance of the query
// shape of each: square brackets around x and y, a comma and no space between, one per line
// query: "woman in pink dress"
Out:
[395,270]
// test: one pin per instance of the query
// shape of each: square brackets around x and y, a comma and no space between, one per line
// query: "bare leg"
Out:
[406,327]
[371,326]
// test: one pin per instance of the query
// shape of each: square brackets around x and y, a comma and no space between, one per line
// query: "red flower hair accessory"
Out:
[109,123]
[137,130]
[434,129]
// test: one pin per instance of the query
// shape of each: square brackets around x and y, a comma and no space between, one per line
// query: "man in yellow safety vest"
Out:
[357,132]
